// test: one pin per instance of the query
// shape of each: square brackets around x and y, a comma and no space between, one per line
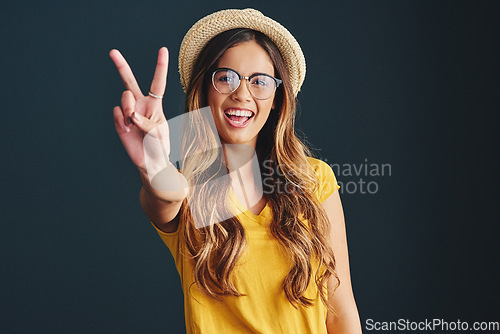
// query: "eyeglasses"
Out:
[261,86]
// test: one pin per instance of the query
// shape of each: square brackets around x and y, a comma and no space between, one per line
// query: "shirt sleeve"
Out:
[173,241]
[327,182]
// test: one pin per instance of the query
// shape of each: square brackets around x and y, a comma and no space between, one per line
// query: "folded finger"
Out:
[160,78]
[125,73]
[145,124]
[119,120]
[128,106]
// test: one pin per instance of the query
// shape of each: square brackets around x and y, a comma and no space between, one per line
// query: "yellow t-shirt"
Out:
[258,275]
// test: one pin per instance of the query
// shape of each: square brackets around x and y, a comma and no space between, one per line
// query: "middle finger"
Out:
[160,78]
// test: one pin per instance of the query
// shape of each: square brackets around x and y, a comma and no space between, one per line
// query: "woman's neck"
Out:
[243,167]
[239,157]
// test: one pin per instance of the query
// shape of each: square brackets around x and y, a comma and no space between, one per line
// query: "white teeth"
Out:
[237,112]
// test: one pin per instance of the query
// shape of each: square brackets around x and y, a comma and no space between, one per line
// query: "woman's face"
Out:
[246,58]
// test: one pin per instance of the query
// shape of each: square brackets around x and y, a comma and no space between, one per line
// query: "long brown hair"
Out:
[216,242]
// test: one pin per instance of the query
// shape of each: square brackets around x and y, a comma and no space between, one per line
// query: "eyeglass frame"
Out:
[241,77]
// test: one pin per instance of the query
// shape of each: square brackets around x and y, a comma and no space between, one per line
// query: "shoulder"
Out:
[327,182]
[323,171]
[319,166]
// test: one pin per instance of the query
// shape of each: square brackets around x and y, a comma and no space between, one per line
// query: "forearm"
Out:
[161,199]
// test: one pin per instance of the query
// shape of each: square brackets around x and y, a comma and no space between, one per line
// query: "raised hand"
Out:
[143,130]
[141,114]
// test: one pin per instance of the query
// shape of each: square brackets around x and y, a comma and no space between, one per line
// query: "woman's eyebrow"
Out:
[232,69]
[261,73]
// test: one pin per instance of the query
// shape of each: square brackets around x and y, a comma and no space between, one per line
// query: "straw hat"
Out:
[210,26]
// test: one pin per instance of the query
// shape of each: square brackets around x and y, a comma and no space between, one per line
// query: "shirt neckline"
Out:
[241,209]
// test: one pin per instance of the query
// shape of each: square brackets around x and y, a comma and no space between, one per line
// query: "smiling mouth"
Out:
[239,116]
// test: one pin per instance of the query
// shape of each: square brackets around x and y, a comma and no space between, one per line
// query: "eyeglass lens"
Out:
[227,81]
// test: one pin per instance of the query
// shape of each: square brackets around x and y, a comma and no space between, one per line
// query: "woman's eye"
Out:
[225,78]
[260,82]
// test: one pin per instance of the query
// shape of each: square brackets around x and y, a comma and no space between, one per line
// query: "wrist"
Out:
[167,185]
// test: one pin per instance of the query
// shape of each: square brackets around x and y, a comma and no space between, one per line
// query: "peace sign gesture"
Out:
[138,114]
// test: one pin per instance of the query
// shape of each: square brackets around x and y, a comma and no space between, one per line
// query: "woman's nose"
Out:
[242,93]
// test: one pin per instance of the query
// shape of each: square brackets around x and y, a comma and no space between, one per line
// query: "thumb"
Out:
[143,123]
[156,140]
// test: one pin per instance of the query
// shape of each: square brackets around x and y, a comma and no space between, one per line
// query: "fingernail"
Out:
[136,118]
[125,128]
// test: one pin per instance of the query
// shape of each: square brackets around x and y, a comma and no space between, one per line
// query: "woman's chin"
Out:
[239,140]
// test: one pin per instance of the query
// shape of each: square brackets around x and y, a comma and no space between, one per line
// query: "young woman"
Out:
[256,227]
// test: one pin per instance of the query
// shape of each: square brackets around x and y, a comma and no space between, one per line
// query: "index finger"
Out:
[160,78]
[126,73]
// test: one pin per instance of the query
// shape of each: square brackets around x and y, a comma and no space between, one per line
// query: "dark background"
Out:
[406,83]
